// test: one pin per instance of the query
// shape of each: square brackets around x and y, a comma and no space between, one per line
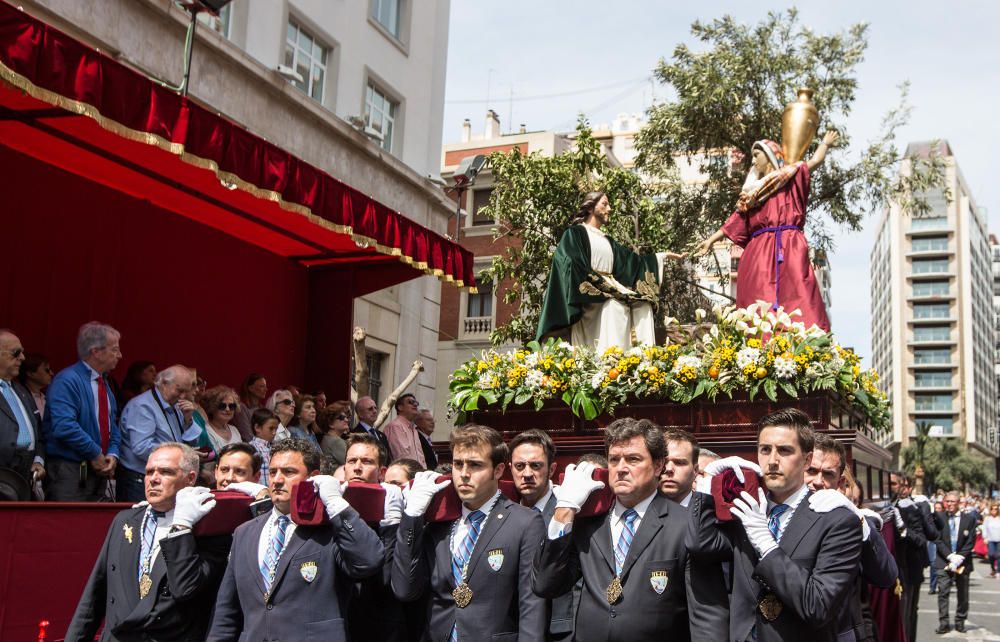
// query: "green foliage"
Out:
[949,466]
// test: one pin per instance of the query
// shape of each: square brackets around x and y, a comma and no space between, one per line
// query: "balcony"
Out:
[477,327]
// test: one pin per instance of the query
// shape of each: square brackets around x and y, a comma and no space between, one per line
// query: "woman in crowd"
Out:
[138,379]
[221,404]
[252,395]
[282,403]
[402,471]
[304,424]
[36,375]
[265,426]
[333,421]
[991,533]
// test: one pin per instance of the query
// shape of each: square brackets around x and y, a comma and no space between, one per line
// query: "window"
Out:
[938,379]
[931,310]
[931,288]
[929,223]
[380,114]
[930,244]
[480,304]
[932,333]
[932,402]
[386,13]
[480,199]
[923,356]
[947,424]
[928,266]
[308,58]
[374,361]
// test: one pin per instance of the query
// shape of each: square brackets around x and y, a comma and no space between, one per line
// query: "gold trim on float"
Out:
[17,81]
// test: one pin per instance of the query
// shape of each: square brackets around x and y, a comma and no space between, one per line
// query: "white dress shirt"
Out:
[269,529]
[163,525]
[27,422]
[618,524]
[540,504]
[462,525]
[792,503]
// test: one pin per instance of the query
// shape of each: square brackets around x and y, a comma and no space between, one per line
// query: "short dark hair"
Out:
[474,436]
[367,440]
[260,417]
[597,459]
[679,434]
[310,455]
[626,428]
[402,398]
[537,437]
[828,444]
[32,362]
[791,418]
[256,461]
[412,466]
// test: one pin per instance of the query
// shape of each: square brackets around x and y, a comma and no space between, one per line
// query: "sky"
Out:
[541,62]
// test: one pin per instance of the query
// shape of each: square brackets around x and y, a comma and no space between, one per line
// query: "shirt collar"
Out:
[93,373]
[640,508]
[793,501]
[485,509]
[687,499]
[540,504]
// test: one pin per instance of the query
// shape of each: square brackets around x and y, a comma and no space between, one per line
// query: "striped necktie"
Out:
[277,544]
[459,561]
[774,520]
[148,540]
[625,539]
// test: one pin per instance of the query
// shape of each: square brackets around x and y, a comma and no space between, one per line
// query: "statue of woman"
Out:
[600,293]
[767,223]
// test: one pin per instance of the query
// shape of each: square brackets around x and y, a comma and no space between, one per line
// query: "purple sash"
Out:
[779,256]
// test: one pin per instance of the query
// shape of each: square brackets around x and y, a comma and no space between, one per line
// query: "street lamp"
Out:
[463,178]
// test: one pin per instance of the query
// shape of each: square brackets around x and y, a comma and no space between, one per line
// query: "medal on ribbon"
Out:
[462,595]
[614,592]
[145,583]
[770,607]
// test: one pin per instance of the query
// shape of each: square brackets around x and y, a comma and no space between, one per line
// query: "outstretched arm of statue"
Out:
[675,256]
[706,246]
[829,140]
[390,402]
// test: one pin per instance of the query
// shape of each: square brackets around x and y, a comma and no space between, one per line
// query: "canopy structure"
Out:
[202,242]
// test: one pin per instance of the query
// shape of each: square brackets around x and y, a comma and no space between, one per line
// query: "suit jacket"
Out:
[9,426]
[647,609]
[144,425]
[297,607]
[185,574]
[382,439]
[70,422]
[878,568]
[811,573]
[911,545]
[707,587]
[430,457]
[503,606]
[966,540]
[376,614]
[563,607]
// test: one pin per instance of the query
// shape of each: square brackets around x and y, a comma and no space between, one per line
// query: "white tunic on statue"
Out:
[612,322]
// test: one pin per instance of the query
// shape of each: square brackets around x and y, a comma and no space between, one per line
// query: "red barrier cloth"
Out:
[726,487]
[308,508]
[232,509]
[885,603]
[600,501]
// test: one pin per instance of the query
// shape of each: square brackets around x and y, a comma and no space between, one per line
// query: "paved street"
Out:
[984,610]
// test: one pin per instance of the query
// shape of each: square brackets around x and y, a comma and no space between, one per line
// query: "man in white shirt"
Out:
[154,579]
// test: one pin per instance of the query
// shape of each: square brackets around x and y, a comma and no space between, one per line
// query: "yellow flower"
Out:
[754,343]
[482,365]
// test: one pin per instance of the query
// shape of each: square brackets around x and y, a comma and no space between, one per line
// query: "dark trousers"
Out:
[130,486]
[68,482]
[931,556]
[961,583]
[908,609]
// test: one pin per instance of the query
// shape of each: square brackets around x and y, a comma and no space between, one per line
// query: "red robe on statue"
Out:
[775,263]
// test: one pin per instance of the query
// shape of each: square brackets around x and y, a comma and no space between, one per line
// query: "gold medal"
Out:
[614,592]
[770,607]
[462,594]
[145,583]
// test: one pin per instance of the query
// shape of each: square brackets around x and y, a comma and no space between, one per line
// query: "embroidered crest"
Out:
[658,580]
[495,558]
[308,571]
[128,532]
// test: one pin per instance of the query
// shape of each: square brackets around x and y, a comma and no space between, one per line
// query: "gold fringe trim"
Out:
[17,81]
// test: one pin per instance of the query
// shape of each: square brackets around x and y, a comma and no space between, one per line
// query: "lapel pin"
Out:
[128,532]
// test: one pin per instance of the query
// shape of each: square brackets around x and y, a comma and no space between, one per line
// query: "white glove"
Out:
[577,486]
[422,491]
[898,518]
[867,512]
[735,464]
[331,492]
[905,503]
[703,484]
[752,513]
[392,511]
[920,498]
[192,503]
[824,501]
[954,561]
[247,488]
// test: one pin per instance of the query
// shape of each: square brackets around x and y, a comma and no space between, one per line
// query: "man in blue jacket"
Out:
[80,425]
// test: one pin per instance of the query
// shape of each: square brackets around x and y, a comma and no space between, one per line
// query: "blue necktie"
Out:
[625,539]
[270,564]
[459,561]
[23,429]
[774,520]
[954,533]
[148,539]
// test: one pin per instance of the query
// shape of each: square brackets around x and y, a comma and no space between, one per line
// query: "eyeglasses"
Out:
[413,402]
[285,402]
[228,406]
[16,352]
[341,417]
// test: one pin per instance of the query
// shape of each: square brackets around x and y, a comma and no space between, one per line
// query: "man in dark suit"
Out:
[911,549]
[633,559]
[954,561]
[425,428]
[477,568]
[793,567]
[289,582]
[154,580]
[367,412]
[81,419]
[825,477]
[22,448]
[532,466]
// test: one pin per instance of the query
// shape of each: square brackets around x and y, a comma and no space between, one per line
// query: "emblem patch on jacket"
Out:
[658,580]
[308,571]
[495,559]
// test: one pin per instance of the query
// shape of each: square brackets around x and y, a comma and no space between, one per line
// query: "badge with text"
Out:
[128,532]
[495,558]
[308,571]
[658,580]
